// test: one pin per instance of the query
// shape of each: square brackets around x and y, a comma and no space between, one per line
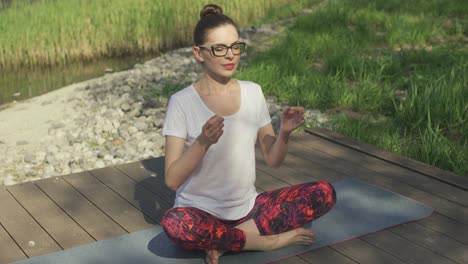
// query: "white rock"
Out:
[100,140]
[49,169]
[40,156]
[75,168]
[9,180]
[99,164]
[116,124]
[132,130]
[29,158]
[31,173]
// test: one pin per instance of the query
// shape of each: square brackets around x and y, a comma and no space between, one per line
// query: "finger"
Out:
[213,136]
[298,109]
[216,119]
[218,135]
[297,113]
[306,241]
[310,239]
[213,124]
[212,119]
[216,128]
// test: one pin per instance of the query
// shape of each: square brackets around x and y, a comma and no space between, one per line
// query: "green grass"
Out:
[396,71]
[57,32]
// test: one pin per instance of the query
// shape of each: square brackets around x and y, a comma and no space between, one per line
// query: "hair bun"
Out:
[210,9]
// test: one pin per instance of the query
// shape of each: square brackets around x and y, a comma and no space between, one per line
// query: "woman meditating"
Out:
[211,129]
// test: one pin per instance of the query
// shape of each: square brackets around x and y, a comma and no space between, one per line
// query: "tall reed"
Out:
[55,32]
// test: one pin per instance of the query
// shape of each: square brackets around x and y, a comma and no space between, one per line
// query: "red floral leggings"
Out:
[274,212]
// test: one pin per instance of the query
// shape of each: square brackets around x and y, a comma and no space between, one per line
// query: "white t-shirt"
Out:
[223,183]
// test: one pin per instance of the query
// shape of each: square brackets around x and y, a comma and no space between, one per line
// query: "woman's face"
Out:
[222,67]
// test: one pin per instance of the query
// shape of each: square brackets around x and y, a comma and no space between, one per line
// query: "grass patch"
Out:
[56,32]
[400,68]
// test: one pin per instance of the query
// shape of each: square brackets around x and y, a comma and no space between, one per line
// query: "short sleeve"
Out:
[264,113]
[175,123]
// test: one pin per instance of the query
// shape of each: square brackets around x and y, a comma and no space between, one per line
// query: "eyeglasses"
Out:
[220,50]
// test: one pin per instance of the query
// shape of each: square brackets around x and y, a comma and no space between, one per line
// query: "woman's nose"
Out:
[229,53]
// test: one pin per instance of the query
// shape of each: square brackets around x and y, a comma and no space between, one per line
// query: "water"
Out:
[25,83]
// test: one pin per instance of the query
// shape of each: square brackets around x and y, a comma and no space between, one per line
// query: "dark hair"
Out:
[211,16]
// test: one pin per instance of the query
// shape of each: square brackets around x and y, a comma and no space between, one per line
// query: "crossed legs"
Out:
[275,221]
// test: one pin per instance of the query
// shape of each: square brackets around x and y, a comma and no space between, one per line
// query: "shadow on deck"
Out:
[58,213]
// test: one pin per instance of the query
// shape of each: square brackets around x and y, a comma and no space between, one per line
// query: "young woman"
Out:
[211,129]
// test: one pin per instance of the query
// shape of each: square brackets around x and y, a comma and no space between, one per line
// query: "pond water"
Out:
[25,83]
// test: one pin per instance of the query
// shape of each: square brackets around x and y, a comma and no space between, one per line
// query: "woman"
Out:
[211,128]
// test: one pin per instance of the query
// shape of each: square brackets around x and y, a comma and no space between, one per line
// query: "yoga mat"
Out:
[360,209]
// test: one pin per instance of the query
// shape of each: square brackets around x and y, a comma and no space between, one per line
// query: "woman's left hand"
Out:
[292,118]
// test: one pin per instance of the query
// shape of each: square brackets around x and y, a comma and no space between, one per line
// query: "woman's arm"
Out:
[274,149]
[179,165]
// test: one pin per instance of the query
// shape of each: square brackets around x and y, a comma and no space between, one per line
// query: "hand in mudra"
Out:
[211,131]
[292,118]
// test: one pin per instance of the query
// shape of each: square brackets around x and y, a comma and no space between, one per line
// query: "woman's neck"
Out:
[210,86]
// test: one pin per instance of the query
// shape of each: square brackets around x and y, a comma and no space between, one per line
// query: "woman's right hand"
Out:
[180,163]
[211,131]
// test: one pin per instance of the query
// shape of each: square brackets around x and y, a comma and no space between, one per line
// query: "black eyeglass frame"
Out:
[242,46]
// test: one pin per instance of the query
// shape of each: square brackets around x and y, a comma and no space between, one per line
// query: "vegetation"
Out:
[390,73]
[56,32]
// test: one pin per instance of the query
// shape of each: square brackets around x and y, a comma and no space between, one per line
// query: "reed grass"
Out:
[390,73]
[56,32]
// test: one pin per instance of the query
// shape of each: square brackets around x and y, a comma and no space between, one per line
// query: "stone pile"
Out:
[117,119]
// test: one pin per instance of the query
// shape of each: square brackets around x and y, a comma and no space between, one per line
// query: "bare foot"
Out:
[212,256]
[299,236]
[255,241]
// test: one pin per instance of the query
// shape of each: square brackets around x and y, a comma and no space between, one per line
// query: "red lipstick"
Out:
[229,66]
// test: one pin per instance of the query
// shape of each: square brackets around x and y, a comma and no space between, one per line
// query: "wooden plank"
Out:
[121,211]
[149,173]
[376,178]
[150,204]
[9,250]
[441,205]
[312,169]
[420,181]
[408,191]
[292,260]
[268,183]
[326,255]
[442,175]
[434,241]
[259,190]
[66,232]
[27,233]
[87,215]
[404,249]
[446,226]
[284,173]
[364,253]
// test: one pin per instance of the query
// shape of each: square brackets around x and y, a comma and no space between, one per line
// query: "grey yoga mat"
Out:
[360,209]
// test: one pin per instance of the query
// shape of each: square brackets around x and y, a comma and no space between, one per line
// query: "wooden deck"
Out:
[49,215]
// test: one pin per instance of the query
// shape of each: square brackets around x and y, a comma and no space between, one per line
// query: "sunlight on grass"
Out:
[396,72]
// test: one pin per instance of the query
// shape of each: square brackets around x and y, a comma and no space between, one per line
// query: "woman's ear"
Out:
[197,53]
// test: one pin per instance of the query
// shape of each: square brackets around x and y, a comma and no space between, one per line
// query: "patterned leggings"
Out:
[274,212]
